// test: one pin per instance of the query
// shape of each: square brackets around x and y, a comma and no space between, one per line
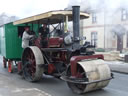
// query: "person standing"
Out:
[44,32]
[26,37]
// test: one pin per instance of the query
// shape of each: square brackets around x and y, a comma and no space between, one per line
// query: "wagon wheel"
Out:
[19,67]
[77,88]
[10,66]
[4,62]
[31,60]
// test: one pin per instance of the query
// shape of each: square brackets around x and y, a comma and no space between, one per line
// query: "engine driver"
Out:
[26,37]
[43,32]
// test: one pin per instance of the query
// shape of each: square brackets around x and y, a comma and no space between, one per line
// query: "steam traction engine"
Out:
[64,57]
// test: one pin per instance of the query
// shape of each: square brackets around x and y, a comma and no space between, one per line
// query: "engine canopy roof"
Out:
[51,17]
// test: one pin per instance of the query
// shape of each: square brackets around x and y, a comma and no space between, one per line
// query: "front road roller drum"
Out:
[91,75]
[32,58]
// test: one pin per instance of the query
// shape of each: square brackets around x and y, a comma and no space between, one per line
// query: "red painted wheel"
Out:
[19,67]
[77,88]
[31,59]
[10,66]
[4,62]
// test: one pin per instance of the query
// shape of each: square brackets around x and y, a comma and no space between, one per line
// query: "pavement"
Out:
[10,85]
[10,88]
[118,66]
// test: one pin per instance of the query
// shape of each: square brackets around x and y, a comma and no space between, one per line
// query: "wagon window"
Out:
[21,30]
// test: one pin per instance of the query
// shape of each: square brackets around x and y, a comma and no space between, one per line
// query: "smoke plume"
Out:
[88,5]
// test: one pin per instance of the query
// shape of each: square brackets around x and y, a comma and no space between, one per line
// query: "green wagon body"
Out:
[10,43]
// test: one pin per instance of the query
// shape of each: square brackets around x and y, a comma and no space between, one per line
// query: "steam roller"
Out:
[90,75]
[63,54]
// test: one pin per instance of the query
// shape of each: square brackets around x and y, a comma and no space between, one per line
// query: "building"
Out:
[107,29]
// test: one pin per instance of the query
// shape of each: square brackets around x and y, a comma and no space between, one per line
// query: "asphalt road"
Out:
[51,86]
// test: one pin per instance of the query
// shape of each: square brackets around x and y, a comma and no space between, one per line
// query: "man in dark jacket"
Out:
[44,32]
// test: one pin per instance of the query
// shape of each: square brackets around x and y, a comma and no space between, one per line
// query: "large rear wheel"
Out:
[32,60]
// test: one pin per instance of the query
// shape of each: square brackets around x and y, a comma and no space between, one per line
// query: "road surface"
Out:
[50,86]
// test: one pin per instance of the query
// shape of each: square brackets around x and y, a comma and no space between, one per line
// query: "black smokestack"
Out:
[76,24]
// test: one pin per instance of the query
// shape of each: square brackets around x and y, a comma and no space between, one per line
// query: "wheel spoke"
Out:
[77,88]
[28,74]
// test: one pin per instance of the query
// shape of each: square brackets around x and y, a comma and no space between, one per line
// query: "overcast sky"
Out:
[25,8]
